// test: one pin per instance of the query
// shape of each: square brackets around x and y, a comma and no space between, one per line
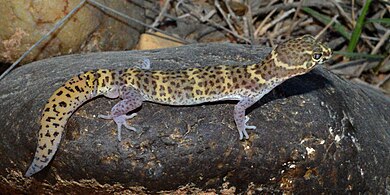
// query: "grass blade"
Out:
[358,28]
[379,20]
[326,20]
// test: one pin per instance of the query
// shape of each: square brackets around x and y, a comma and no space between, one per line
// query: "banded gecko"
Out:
[245,84]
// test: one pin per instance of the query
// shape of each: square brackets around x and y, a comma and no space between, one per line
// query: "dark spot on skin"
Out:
[56,125]
[69,89]
[211,83]
[50,118]
[68,95]
[60,93]
[138,83]
[188,88]
[46,159]
[62,104]
[42,147]
[47,109]
[78,89]
[229,85]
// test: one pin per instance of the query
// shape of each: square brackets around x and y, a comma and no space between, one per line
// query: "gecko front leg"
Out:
[131,99]
[240,118]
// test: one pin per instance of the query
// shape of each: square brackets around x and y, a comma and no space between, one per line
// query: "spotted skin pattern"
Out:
[246,84]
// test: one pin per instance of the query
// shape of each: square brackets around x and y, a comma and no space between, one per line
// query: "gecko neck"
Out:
[274,71]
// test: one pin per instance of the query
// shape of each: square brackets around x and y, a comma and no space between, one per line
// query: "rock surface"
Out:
[24,22]
[316,133]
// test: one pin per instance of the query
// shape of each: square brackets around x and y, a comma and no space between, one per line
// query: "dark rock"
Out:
[315,133]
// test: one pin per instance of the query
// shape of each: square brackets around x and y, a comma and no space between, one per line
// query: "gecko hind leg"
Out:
[241,119]
[131,100]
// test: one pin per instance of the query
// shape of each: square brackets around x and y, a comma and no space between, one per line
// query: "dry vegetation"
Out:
[357,30]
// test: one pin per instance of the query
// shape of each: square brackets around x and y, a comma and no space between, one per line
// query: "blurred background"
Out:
[358,30]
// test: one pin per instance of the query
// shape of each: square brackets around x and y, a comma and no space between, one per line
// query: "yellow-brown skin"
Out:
[246,84]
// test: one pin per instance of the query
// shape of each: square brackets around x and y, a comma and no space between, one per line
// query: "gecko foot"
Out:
[145,64]
[120,120]
[243,132]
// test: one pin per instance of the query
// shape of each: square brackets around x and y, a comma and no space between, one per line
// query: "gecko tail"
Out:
[60,107]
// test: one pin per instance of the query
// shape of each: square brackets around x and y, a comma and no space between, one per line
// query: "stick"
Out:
[55,28]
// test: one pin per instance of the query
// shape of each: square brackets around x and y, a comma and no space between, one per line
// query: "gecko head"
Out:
[301,54]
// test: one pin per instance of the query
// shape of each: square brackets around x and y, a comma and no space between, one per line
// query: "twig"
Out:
[282,6]
[327,26]
[148,6]
[346,64]
[275,21]
[384,38]
[231,12]
[248,16]
[260,27]
[342,12]
[161,14]
[383,81]
[210,22]
[216,3]
[229,31]
[56,27]
[112,11]
[208,15]
[294,18]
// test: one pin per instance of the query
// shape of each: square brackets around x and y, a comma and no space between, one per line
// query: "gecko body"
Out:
[245,84]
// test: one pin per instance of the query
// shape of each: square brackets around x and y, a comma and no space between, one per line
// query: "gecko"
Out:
[245,84]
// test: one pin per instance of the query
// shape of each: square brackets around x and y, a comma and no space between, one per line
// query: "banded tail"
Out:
[60,107]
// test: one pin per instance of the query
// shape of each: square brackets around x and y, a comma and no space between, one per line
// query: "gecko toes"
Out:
[108,117]
[120,120]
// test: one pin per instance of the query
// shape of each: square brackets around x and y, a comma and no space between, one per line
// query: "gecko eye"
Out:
[317,56]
